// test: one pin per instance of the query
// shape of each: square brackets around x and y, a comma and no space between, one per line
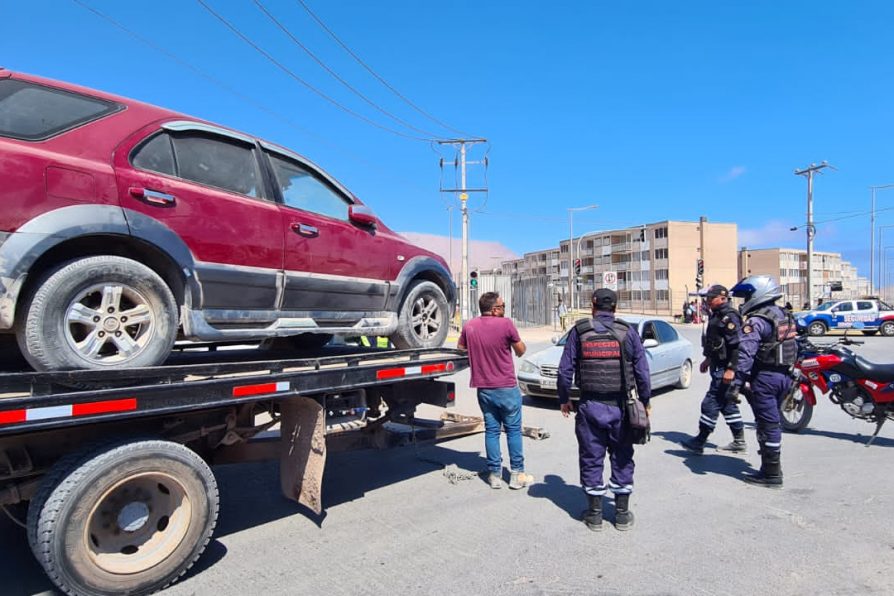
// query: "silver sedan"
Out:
[669,355]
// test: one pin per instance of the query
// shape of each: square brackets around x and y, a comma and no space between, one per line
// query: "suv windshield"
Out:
[825,306]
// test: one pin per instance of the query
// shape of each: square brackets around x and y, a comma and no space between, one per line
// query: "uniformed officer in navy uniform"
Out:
[592,360]
[720,347]
[767,352]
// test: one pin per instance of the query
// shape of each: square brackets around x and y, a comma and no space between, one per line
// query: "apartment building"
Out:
[655,264]
[789,267]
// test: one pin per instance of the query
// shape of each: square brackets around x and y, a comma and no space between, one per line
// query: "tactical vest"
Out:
[714,342]
[599,359]
[780,348]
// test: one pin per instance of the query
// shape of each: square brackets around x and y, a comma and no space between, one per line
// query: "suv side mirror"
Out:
[361,214]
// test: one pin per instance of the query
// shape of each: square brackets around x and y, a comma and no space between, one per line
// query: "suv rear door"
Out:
[331,263]
[867,313]
[206,185]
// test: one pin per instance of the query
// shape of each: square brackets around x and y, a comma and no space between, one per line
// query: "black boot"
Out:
[738,443]
[770,474]
[623,515]
[593,513]
[696,444]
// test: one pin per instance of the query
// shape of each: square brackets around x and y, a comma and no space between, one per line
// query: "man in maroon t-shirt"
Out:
[490,339]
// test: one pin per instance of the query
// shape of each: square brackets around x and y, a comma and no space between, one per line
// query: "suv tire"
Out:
[98,313]
[423,319]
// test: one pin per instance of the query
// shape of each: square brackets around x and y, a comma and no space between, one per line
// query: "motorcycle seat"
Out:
[876,372]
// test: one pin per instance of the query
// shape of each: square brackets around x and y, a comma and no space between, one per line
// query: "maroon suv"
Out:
[125,226]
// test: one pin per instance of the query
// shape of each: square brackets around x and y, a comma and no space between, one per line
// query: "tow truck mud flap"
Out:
[303,451]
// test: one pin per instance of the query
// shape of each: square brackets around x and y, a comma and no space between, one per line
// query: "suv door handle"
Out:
[153,197]
[305,230]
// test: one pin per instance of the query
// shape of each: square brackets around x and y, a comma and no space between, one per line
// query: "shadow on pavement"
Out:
[250,493]
[858,438]
[711,462]
[567,497]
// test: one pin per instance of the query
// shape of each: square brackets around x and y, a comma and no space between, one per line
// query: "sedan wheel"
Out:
[685,375]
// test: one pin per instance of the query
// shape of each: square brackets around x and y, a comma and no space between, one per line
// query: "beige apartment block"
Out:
[789,267]
[655,264]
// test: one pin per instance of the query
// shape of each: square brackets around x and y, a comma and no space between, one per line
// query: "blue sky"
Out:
[652,110]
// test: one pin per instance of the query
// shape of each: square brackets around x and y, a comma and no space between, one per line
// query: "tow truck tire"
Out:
[816,328]
[423,319]
[129,518]
[887,328]
[104,312]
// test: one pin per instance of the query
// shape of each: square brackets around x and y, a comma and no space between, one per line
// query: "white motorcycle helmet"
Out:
[756,290]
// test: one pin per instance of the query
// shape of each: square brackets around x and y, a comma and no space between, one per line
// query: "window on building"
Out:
[661,274]
[662,295]
[660,233]
[660,253]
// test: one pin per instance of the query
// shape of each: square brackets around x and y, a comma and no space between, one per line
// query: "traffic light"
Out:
[577,266]
[473,280]
[699,274]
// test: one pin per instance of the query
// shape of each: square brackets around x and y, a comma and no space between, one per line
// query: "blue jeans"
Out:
[502,409]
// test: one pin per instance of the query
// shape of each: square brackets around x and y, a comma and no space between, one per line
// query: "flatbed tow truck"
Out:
[114,466]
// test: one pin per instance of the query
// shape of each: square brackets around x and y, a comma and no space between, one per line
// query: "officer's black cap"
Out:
[716,290]
[605,299]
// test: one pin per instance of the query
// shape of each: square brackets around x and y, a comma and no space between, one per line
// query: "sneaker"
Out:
[494,480]
[520,480]
[735,447]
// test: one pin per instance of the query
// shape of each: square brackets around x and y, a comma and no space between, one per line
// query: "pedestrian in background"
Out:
[561,312]
[767,352]
[490,340]
[596,354]
[720,347]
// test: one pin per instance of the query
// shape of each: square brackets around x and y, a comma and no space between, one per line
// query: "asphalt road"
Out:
[395,525]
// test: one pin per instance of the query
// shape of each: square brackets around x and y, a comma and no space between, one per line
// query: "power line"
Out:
[376,75]
[297,78]
[236,93]
[334,74]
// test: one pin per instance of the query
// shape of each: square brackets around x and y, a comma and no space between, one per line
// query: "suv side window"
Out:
[217,162]
[844,307]
[302,190]
[155,155]
[863,305]
[34,113]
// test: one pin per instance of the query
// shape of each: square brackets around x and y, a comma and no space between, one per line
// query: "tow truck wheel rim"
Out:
[137,523]
[109,323]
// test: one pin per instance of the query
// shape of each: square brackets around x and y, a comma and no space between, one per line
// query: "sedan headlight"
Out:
[528,367]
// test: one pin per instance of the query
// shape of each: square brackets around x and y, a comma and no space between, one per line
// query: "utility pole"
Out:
[466,311]
[808,172]
[872,286]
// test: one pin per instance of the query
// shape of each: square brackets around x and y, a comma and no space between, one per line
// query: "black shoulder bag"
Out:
[634,410]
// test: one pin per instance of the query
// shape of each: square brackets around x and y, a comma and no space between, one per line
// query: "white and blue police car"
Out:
[875,315]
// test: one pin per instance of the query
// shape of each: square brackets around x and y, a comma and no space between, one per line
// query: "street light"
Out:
[884,257]
[872,239]
[571,211]
[881,279]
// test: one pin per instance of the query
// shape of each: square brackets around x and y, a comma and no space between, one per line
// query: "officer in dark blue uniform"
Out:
[720,347]
[595,351]
[767,352]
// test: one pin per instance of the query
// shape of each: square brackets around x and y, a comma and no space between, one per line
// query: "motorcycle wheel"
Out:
[795,411]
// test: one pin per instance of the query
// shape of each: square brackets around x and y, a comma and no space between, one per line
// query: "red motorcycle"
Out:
[863,389]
